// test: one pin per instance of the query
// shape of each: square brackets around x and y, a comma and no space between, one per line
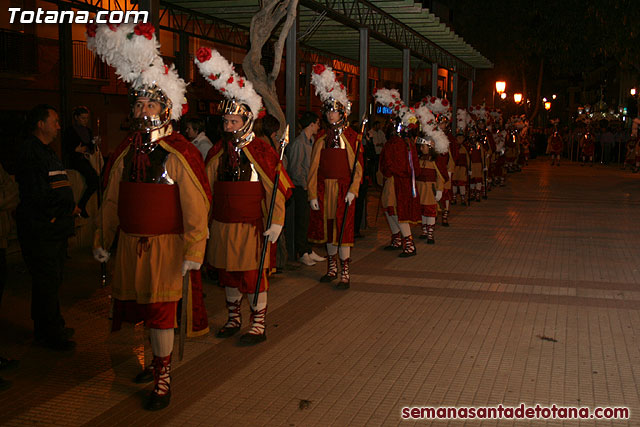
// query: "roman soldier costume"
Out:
[156,201]
[554,146]
[331,190]
[431,176]
[241,169]
[587,146]
[399,165]
[461,159]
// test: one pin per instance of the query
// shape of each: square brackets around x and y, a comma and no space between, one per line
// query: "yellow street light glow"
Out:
[553,96]
[633,91]
[501,86]
[517,98]
[503,95]
[544,99]
[547,105]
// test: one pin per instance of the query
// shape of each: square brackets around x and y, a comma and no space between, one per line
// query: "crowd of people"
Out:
[172,206]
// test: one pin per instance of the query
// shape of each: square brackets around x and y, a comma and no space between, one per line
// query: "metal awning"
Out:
[332,26]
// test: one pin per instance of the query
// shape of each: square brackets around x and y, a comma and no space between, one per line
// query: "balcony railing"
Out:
[86,65]
[18,52]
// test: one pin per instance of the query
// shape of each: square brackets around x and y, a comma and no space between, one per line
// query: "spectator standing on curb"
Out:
[299,155]
[45,222]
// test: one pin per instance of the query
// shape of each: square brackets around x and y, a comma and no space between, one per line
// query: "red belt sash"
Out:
[239,201]
[334,164]
[152,209]
[427,174]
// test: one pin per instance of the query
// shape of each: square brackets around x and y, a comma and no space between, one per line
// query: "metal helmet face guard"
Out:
[147,124]
[333,105]
[244,135]
[425,140]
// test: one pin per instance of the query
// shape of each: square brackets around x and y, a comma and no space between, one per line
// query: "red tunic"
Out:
[329,182]
[399,160]
[555,144]
[161,315]
[238,204]
[588,146]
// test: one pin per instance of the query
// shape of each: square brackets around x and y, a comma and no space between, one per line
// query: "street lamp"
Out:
[517,98]
[503,95]
[633,91]
[500,87]
[547,105]
[554,96]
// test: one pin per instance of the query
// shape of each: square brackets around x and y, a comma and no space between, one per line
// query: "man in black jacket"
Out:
[44,220]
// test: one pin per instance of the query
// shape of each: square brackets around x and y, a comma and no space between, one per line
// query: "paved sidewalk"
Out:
[531,296]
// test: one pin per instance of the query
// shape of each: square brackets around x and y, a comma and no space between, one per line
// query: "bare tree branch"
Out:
[263,24]
[279,46]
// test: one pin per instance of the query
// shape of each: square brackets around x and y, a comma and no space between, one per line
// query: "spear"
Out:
[353,174]
[284,141]
[183,314]
[103,265]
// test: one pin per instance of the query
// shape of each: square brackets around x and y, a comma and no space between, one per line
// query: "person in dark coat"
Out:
[45,222]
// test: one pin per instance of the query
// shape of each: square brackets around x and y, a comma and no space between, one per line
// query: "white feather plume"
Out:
[463,119]
[137,61]
[220,74]
[439,106]
[391,98]
[429,127]
[327,86]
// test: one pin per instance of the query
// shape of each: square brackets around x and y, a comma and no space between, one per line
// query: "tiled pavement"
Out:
[528,297]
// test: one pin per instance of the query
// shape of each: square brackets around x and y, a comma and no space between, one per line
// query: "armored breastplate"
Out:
[333,138]
[244,171]
[155,170]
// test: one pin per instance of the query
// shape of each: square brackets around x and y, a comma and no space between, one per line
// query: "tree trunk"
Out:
[538,92]
[263,24]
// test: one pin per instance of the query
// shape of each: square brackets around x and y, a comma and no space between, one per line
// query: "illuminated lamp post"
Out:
[500,88]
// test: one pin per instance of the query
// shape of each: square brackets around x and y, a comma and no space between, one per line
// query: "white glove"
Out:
[101,255]
[438,195]
[273,232]
[314,204]
[349,198]
[190,265]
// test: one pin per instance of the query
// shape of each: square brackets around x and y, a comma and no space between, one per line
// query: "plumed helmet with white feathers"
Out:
[241,97]
[132,49]
[332,93]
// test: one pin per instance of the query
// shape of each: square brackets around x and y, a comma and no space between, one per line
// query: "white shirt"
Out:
[203,144]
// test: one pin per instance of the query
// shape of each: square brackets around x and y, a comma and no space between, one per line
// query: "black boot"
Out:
[332,269]
[160,397]
[408,247]
[234,321]
[396,242]
[345,277]
[430,229]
